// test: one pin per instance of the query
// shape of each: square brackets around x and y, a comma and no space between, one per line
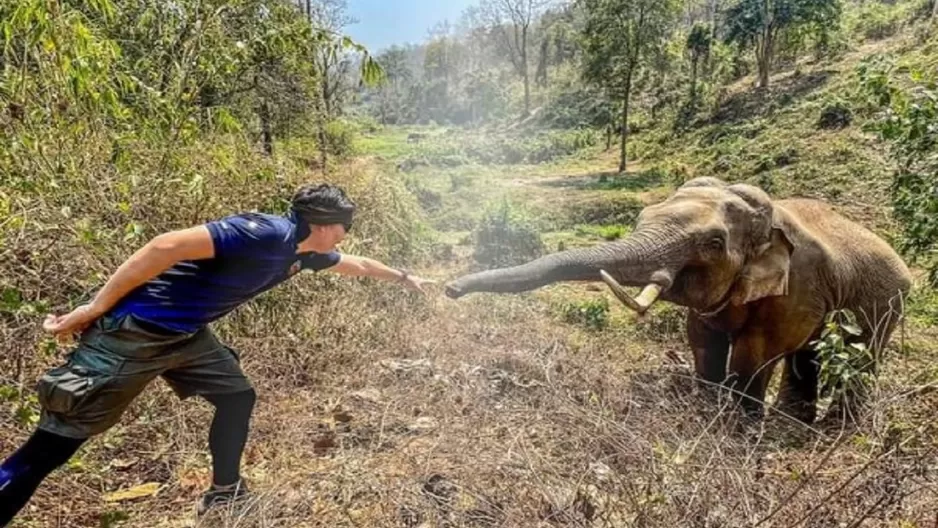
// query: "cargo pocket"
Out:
[63,390]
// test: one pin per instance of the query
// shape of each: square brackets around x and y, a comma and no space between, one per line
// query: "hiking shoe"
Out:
[222,497]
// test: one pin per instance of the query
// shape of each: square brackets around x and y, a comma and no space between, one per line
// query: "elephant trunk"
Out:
[649,258]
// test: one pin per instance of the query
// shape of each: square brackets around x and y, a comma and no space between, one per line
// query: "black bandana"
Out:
[320,216]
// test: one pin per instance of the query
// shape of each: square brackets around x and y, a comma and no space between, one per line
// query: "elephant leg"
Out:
[799,390]
[711,349]
[750,370]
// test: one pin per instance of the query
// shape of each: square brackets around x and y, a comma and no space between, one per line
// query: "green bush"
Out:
[875,21]
[621,209]
[339,138]
[847,366]
[591,313]
[506,236]
[664,323]
[906,113]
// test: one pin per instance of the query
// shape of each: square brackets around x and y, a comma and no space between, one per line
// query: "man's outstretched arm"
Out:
[158,255]
[353,266]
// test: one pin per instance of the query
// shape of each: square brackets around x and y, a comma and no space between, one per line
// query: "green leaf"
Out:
[852,329]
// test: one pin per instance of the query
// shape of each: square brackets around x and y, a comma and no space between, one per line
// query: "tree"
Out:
[757,24]
[698,46]
[510,22]
[619,35]
[331,64]
[392,96]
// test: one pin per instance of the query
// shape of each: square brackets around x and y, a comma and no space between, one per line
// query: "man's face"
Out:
[324,238]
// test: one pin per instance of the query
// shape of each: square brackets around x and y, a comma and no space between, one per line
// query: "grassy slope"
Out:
[381,409]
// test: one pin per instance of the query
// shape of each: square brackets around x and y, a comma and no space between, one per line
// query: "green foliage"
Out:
[698,41]
[922,306]
[619,37]
[506,149]
[761,25]
[506,236]
[906,113]
[591,313]
[663,323]
[605,232]
[847,366]
[621,209]
[579,107]
[339,137]
[875,20]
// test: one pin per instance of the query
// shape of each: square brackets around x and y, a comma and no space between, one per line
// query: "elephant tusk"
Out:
[639,304]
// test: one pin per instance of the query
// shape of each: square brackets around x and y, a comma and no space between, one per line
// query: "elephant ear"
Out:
[760,213]
[766,274]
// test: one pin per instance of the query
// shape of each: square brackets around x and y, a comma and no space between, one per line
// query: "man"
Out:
[150,319]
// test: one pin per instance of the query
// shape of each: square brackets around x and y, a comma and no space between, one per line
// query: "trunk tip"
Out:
[453,291]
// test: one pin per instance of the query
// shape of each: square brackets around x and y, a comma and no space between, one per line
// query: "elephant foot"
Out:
[708,390]
[751,406]
[802,410]
[752,410]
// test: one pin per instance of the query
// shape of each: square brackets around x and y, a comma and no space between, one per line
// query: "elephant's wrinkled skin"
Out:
[757,274]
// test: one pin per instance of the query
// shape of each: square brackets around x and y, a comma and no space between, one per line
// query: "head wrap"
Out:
[318,215]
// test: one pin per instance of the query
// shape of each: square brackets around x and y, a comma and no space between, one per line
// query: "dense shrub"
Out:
[506,236]
[591,313]
[836,115]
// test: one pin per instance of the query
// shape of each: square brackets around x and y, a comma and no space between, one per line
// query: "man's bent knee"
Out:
[243,400]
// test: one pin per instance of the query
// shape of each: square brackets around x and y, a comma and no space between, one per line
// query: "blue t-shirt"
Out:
[253,253]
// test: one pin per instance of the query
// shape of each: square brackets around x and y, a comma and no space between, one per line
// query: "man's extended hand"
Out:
[353,266]
[63,326]
[416,284]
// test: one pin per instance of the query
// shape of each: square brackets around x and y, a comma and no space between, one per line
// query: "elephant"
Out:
[758,276]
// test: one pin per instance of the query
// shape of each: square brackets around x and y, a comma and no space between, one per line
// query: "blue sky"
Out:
[385,22]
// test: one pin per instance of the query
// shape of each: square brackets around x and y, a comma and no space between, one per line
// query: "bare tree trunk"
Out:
[541,76]
[266,133]
[524,67]
[764,62]
[764,58]
[321,138]
[693,80]
[623,158]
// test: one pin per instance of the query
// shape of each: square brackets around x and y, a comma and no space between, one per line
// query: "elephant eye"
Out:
[717,244]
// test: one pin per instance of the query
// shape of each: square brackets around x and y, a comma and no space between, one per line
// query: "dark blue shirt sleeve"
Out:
[243,236]
[320,261]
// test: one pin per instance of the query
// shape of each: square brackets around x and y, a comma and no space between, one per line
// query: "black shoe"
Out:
[214,497]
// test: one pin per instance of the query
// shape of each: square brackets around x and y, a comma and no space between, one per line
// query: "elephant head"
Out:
[707,246]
